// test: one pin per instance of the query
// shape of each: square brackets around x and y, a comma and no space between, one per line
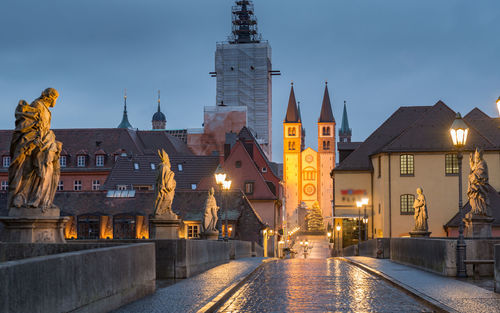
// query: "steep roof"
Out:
[292,113]
[359,159]
[422,128]
[194,168]
[344,127]
[326,115]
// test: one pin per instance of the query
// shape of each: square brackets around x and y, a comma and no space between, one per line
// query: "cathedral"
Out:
[306,171]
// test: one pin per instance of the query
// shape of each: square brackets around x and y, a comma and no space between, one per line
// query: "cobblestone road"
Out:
[326,285]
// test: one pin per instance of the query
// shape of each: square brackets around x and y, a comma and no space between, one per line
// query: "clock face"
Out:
[309,158]
[309,189]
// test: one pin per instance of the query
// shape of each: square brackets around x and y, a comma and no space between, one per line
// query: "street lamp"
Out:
[459,131]
[226,185]
[220,177]
[338,237]
[498,105]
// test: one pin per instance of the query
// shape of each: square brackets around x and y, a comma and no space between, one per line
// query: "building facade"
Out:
[411,149]
[306,172]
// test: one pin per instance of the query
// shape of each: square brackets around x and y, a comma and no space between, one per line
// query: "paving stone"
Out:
[191,294]
[318,285]
[457,294]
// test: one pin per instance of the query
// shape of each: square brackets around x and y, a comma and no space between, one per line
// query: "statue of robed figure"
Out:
[210,214]
[164,188]
[34,170]
[477,191]
[420,215]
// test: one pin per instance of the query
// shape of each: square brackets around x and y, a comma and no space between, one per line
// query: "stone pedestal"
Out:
[478,226]
[419,233]
[162,228]
[31,225]
[210,235]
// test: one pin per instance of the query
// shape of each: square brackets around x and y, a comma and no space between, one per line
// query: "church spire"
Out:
[158,100]
[292,113]
[125,123]
[244,23]
[345,132]
[326,115]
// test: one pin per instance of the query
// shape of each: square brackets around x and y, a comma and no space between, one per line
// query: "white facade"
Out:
[244,79]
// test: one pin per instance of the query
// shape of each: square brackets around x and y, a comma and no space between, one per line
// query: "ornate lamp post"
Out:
[220,177]
[226,185]
[459,131]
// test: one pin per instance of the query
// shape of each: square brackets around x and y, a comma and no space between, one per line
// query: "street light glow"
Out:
[226,184]
[459,131]
[498,105]
[364,201]
[338,227]
[220,176]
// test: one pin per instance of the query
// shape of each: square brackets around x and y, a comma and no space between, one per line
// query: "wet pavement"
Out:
[318,285]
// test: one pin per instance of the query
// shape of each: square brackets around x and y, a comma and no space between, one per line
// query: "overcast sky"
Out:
[377,55]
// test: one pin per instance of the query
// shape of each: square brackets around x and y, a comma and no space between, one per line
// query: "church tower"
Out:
[326,154]
[292,143]
[159,120]
[125,123]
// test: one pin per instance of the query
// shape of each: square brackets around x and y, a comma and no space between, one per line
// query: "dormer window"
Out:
[80,161]
[179,167]
[63,160]
[136,166]
[6,161]
[153,166]
[99,160]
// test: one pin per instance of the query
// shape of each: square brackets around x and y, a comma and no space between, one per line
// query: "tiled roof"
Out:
[326,114]
[390,129]
[353,145]
[92,141]
[246,135]
[194,168]
[292,113]
[494,205]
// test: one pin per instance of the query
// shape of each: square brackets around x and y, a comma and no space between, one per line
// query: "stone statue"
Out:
[477,191]
[34,170]
[420,207]
[210,215]
[165,188]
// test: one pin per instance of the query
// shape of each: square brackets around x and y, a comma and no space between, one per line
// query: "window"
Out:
[326,131]
[62,161]
[179,166]
[192,231]
[291,131]
[230,227]
[379,208]
[291,145]
[136,166]
[237,164]
[6,161]
[379,166]
[264,170]
[121,187]
[193,186]
[451,164]
[407,204]
[326,145]
[80,161]
[96,184]
[406,165]
[99,160]
[60,186]
[249,188]
[153,167]
[5,185]
[77,185]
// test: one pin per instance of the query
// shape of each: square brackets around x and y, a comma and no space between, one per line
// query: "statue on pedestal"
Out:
[477,192]
[165,188]
[420,207]
[34,170]
[34,175]
[210,215]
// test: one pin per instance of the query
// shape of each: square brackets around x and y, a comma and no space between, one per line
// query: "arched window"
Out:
[291,131]
[406,165]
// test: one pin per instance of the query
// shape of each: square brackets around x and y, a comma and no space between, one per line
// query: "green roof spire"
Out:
[125,123]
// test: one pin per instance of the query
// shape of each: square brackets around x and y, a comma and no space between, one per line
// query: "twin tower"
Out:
[307,172]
